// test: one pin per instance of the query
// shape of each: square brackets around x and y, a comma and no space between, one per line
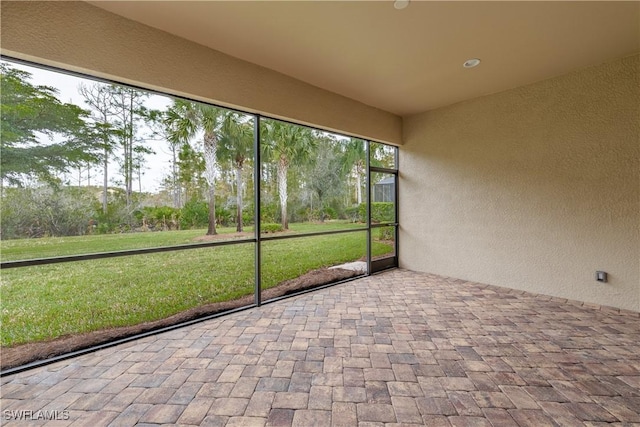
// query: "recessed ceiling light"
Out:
[401,4]
[470,63]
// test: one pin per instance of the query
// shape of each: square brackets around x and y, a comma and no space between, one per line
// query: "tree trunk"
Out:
[239,197]
[358,186]
[105,180]
[174,179]
[210,146]
[127,193]
[129,155]
[283,166]
[211,230]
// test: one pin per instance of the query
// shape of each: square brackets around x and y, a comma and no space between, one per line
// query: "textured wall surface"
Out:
[81,37]
[534,188]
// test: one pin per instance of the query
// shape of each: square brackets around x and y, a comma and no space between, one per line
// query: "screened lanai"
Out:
[192,232]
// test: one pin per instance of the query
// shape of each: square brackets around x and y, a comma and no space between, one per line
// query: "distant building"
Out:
[384,190]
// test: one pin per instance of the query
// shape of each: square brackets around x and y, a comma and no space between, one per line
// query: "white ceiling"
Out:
[403,61]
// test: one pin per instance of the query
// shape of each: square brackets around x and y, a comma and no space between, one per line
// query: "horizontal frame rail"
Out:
[383,170]
[319,233]
[384,224]
[145,251]
[113,254]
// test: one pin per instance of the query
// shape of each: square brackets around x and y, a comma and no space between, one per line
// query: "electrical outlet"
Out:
[601,276]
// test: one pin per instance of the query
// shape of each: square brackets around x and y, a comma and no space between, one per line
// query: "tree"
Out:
[323,178]
[236,147]
[162,124]
[283,144]
[190,172]
[128,109]
[354,161]
[382,155]
[29,111]
[189,120]
[117,111]
[100,99]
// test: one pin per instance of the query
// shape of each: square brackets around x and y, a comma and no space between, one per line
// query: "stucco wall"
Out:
[80,37]
[534,188]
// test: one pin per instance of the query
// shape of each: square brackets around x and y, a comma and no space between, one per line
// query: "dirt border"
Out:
[26,353]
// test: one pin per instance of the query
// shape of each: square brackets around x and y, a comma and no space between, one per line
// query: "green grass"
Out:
[290,258]
[60,246]
[48,301]
[20,249]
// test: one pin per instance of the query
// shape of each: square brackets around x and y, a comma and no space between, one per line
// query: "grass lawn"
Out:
[21,249]
[48,301]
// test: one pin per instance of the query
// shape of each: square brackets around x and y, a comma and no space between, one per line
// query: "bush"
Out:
[247,215]
[160,217]
[328,213]
[117,218]
[386,234]
[103,228]
[194,214]
[224,217]
[271,227]
[268,212]
[46,212]
[353,214]
[380,212]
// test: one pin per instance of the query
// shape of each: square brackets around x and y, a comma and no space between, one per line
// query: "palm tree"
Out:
[161,124]
[236,147]
[283,144]
[354,160]
[186,121]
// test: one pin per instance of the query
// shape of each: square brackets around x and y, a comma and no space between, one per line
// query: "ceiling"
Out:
[403,61]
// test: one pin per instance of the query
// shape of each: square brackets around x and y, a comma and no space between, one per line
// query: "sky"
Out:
[157,165]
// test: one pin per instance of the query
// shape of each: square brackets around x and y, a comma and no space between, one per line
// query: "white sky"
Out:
[157,165]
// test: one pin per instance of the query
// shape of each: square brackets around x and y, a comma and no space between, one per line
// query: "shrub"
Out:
[161,217]
[116,218]
[270,227]
[328,213]
[386,233]
[224,217]
[247,215]
[380,212]
[268,212]
[353,214]
[45,211]
[103,228]
[194,214]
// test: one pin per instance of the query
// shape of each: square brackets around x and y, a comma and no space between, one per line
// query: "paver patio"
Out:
[399,348]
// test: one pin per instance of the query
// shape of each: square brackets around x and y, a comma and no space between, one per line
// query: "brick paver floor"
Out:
[399,348]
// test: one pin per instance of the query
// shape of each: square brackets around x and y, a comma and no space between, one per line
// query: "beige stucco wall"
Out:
[534,188]
[80,37]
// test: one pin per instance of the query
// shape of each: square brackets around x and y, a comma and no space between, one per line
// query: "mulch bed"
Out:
[26,353]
